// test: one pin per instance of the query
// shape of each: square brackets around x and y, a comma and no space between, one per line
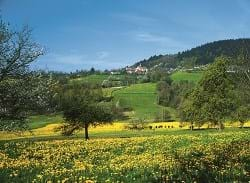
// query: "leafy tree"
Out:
[20,97]
[159,75]
[187,112]
[242,114]
[165,93]
[240,71]
[166,116]
[82,107]
[171,94]
[181,90]
[212,99]
[14,104]
[43,91]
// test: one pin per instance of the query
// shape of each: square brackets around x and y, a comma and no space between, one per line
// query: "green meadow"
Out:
[186,76]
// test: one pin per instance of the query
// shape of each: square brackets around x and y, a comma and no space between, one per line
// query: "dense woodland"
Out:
[204,54]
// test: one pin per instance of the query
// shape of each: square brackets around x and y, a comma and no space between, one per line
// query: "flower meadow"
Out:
[202,157]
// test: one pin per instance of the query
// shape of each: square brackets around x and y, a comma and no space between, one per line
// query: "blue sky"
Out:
[106,34]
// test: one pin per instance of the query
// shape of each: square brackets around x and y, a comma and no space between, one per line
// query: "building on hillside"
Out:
[115,72]
[130,70]
[138,70]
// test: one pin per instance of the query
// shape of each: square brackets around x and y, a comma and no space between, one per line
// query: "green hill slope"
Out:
[189,76]
[200,55]
[141,101]
[95,78]
[140,98]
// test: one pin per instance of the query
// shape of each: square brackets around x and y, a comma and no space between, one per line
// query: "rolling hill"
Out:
[186,76]
[95,78]
[140,99]
[200,55]
[141,102]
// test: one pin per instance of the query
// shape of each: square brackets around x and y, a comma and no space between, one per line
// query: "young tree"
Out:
[82,107]
[211,100]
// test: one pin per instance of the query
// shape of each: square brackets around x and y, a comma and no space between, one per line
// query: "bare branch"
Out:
[17,51]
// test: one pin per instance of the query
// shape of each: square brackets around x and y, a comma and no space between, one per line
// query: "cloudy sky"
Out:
[105,34]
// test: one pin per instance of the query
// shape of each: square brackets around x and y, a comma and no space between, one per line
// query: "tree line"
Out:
[219,96]
[200,55]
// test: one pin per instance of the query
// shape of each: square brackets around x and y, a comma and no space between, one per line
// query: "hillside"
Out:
[140,99]
[95,78]
[188,76]
[200,55]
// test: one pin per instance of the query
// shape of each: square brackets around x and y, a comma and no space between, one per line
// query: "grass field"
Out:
[97,79]
[116,129]
[179,156]
[40,121]
[189,76]
[141,98]
[177,76]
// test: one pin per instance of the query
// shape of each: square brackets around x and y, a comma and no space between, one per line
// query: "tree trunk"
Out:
[86,131]
[221,126]
[241,124]
[191,127]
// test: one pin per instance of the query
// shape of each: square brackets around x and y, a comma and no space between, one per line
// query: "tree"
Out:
[166,116]
[17,51]
[82,107]
[21,97]
[212,99]
[165,93]
[92,70]
[171,94]
[43,91]
[14,101]
[242,114]
[240,69]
